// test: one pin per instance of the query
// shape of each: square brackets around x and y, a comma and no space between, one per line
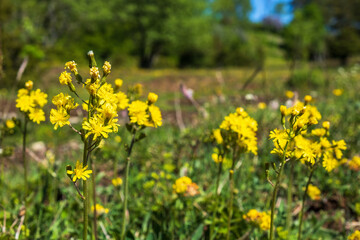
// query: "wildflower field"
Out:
[97,151]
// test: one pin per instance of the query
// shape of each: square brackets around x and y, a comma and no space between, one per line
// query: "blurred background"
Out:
[177,33]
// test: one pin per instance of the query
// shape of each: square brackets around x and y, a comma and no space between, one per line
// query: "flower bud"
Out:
[307,99]
[29,85]
[118,82]
[71,65]
[65,78]
[283,110]
[240,110]
[152,98]
[326,125]
[106,68]
[94,73]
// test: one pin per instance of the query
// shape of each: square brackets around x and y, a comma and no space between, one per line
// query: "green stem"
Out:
[94,200]
[276,188]
[303,202]
[216,201]
[85,193]
[289,198]
[25,170]
[231,181]
[123,227]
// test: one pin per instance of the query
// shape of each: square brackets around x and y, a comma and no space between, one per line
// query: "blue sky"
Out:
[263,8]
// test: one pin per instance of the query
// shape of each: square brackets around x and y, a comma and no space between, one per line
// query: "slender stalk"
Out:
[276,188]
[231,181]
[216,200]
[94,200]
[303,202]
[85,193]
[289,198]
[123,227]
[25,170]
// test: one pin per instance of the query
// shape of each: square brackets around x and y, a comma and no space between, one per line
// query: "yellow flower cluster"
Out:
[64,104]
[355,235]
[240,129]
[99,209]
[31,102]
[185,186]
[313,192]
[145,113]
[261,219]
[307,147]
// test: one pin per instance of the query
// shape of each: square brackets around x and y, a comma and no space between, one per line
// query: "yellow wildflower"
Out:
[138,112]
[152,98]
[22,92]
[355,235]
[65,78]
[338,92]
[261,219]
[94,72]
[117,181]
[38,97]
[354,163]
[80,172]
[106,68]
[216,157]
[96,126]
[307,98]
[25,103]
[313,192]
[99,209]
[245,127]
[326,125]
[64,101]
[181,184]
[59,117]
[289,94]
[155,119]
[37,115]
[261,105]
[71,65]
[217,135]
[29,85]
[10,124]
[118,82]
[122,101]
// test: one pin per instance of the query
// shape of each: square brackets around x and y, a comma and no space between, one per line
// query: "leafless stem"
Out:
[77,131]
[19,227]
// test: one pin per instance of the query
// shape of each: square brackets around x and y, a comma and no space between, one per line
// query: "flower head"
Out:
[152,98]
[65,78]
[117,181]
[80,172]
[71,65]
[138,112]
[106,68]
[59,117]
[313,192]
[29,85]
